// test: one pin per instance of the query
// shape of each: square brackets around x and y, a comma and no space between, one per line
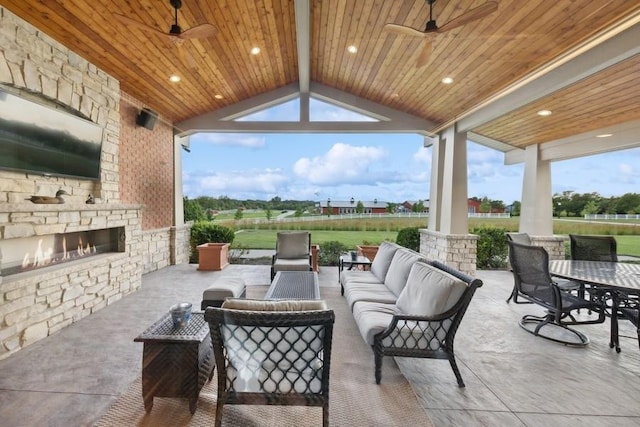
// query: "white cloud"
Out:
[423,156]
[324,112]
[343,163]
[231,139]
[254,181]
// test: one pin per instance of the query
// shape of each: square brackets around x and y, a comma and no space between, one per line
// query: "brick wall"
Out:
[146,165]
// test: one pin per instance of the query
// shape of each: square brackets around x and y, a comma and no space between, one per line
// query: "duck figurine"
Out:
[48,200]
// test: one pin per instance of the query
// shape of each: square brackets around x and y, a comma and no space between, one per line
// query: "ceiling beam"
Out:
[625,136]
[303,44]
[560,74]
[243,126]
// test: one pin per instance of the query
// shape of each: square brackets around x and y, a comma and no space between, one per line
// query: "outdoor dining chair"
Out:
[530,267]
[564,285]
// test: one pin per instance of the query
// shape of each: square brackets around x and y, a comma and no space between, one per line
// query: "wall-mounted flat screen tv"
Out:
[46,140]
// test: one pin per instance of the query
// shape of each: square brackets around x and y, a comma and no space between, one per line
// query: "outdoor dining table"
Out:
[615,279]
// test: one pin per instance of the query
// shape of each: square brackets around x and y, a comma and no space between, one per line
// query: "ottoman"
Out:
[233,287]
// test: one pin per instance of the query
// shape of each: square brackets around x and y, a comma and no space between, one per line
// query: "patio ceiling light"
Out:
[447,80]
[352,49]
[604,135]
[174,78]
[544,113]
[255,50]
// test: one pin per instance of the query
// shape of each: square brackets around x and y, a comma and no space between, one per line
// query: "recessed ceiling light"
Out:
[352,49]
[447,80]
[255,50]
[218,96]
[174,78]
[604,135]
[395,95]
[544,113]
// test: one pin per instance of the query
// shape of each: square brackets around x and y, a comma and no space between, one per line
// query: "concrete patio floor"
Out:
[512,378]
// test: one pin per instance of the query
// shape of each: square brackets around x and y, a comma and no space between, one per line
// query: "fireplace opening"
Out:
[32,253]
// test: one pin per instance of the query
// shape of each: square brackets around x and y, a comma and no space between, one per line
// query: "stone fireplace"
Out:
[60,263]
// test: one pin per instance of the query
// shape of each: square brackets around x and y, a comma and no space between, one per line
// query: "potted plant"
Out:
[367,250]
[210,245]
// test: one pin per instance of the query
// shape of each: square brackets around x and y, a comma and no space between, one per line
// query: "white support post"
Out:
[178,204]
[454,213]
[536,213]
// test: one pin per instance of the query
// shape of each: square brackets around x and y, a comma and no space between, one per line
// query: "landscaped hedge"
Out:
[208,232]
[409,237]
[492,248]
[330,252]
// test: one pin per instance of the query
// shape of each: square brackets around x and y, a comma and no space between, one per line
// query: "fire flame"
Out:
[43,257]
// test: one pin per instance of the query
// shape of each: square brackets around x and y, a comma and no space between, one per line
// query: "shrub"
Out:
[492,247]
[409,238]
[330,252]
[208,232]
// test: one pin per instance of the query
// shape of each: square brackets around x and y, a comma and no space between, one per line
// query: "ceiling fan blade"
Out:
[425,53]
[201,31]
[402,29]
[470,16]
[128,21]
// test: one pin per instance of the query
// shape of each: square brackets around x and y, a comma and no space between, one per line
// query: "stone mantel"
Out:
[35,207]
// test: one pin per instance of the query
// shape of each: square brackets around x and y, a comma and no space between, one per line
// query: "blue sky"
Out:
[387,167]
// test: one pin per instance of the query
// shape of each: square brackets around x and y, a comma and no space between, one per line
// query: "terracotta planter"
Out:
[213,256]
[369,251]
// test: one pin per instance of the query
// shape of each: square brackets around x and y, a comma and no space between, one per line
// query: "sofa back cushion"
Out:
[429,291]
[380,264]
[396,277]
[293,244]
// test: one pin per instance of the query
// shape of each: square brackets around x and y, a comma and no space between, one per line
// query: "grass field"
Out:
[373,231]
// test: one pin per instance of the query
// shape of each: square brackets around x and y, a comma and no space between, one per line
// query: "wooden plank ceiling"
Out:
[483,57]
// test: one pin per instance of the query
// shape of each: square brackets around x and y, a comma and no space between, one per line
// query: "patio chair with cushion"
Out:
[272,353]
[530,267]
[293,252]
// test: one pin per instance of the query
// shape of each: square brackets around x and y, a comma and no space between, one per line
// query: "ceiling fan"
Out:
[431,29]
[175,33]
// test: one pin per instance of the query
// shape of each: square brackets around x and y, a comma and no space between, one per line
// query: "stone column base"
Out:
[555,245]
[458,251]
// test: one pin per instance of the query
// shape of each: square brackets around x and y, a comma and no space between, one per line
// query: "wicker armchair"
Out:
[530,267]
[410,335]
[267,356]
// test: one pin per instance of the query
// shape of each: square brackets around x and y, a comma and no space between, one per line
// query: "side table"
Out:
[176,362]
[346,261]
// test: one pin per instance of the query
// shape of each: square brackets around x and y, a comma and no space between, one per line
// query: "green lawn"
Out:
[375,231]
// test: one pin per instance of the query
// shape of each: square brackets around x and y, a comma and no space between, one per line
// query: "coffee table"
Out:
[294,285]
[176,362]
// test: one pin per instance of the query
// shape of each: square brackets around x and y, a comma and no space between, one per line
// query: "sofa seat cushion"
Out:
[382,261]
[369,292]
[372,318]
[429,291]
[399,270]
[357,276]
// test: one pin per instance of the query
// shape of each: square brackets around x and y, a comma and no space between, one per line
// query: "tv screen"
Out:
[48,141]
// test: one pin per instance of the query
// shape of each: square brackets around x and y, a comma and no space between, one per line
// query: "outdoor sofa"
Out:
[408,306]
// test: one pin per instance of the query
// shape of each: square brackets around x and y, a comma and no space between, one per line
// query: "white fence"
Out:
[334,217]
[612,216]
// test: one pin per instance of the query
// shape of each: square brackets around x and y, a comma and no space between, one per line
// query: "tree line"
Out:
[569,203]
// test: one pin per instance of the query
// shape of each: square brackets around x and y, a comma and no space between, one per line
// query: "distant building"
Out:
[339,207]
